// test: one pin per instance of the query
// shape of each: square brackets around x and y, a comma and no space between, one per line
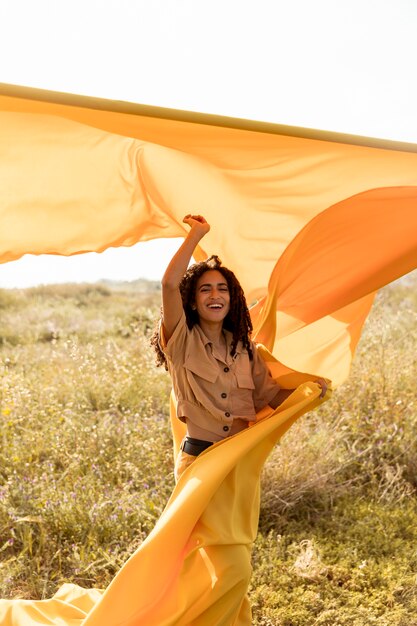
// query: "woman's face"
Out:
[212,297]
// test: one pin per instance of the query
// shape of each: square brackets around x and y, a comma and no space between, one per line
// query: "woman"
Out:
[220,381]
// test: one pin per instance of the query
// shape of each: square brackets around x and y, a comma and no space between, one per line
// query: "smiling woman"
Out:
[220,383]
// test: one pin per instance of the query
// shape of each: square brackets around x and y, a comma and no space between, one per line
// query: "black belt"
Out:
[195,446]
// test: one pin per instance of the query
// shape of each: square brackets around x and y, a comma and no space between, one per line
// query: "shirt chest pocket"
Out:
[243,373]
[202,368]
[242,396]
[244,381]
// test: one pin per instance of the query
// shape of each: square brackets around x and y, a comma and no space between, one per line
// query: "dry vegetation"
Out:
[86,466]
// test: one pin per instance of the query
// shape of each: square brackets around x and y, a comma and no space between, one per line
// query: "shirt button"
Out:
[226,369]
[225,428]
[227,414]
[224,395]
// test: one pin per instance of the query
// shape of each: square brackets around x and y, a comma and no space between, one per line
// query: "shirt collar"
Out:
[228,335]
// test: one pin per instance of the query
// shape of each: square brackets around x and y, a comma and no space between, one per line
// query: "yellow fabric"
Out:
[97,178]
[312,229]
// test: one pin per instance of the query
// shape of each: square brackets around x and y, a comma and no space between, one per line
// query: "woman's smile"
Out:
[212,296]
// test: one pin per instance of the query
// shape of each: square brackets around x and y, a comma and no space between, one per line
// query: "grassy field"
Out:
[86,463]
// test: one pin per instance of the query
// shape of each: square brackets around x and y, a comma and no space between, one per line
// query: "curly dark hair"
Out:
[237,321]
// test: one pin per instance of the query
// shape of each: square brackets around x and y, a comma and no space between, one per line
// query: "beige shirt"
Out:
[214,389]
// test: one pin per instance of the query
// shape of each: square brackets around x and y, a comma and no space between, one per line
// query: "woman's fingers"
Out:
[197,222]
[197,218]
[323,385]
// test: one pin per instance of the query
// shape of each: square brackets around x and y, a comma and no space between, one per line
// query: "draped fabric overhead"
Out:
[80,174]
[312,224]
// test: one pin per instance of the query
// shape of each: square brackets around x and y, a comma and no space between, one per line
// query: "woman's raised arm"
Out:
[171,297]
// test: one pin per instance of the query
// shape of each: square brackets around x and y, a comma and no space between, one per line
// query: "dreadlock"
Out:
[237,321]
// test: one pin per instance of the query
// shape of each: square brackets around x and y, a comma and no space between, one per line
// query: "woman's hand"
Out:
[197,224]
[323,384]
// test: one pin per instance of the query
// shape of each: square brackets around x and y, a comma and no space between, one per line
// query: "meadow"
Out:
[86,460]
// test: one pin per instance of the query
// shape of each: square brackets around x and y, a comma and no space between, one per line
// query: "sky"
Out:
[345,65]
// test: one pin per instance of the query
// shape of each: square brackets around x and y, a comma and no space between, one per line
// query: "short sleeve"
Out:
[176,343]
[266,387]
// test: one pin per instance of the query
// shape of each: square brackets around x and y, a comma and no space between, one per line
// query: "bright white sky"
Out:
[342,65]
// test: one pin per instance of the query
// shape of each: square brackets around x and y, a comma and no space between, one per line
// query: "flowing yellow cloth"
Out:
[312,225]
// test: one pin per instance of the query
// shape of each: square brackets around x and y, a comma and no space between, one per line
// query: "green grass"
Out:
[86,460]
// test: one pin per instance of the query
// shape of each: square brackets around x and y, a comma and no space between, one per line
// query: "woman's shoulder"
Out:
[178,336]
